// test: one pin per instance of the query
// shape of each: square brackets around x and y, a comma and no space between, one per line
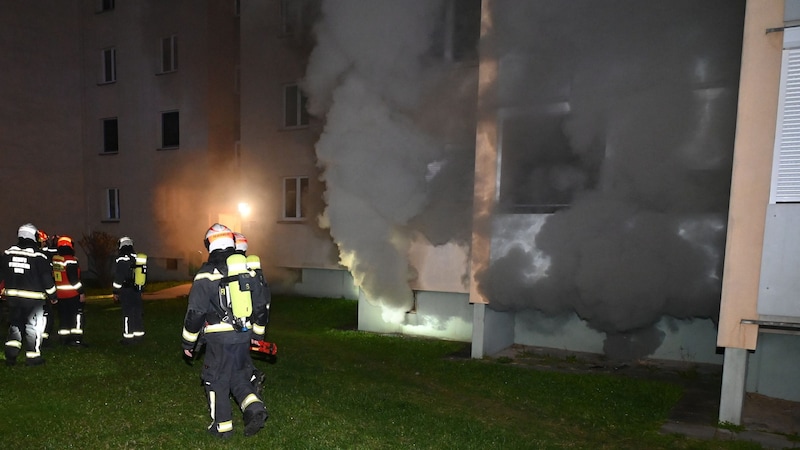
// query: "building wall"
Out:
[271,59]
[168,197]
[752,166]
[40,118]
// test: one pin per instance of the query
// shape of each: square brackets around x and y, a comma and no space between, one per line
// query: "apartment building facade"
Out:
[168,116]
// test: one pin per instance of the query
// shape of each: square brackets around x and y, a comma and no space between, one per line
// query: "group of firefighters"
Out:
[228,310]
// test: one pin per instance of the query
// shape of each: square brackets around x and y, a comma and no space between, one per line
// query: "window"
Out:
[170,129]
[295,191]
[539,174]
[169,54]
[110,135]
[106,5]
[109,64]
[294,107]
[287,22]
[111,204]
[457,38]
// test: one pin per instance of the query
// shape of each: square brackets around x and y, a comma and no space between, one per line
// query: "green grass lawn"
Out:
[330,388]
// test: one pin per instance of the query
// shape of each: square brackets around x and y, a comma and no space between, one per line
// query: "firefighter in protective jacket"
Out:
[254,264]
[29,284]
[69,289]
[128,292]
[227,365]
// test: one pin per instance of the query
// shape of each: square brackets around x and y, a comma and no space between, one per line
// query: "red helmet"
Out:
[65,241]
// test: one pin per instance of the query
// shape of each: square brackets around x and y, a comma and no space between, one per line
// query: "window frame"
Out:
[105,144]
[169,53]
[163,144]
[300,190]
[111,207]
[298,101]
[108,65]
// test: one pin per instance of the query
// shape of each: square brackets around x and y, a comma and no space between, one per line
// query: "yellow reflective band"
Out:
[15,344]
[208,276]
[237,267]
[249,400]
[189,336]
[52,290]
[116,285]
[68,287]
[25,294]
[63,332]
[32,354]
[223,427]
[217,327]
[259,329]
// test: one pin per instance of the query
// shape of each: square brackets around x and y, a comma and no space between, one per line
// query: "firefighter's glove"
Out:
[188,357]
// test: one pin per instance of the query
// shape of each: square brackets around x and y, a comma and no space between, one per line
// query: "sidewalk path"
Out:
[175,291]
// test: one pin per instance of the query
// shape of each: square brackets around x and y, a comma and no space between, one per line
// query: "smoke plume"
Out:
[647,95]
[617,121]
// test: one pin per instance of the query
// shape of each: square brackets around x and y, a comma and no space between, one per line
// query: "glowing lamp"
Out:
[244,209]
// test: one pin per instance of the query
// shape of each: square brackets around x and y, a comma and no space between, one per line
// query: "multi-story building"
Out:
[502,196]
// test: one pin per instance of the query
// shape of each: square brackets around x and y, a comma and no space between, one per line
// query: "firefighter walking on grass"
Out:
[29,284]
[226,304]
[71,298]
[129,279]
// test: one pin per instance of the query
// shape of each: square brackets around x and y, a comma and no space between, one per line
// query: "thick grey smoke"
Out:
[647,95]
[373,76]
[616,119]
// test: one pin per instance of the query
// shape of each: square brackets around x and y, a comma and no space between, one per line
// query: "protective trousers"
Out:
[226,371]
[130,300]
[70,319]
[26,325]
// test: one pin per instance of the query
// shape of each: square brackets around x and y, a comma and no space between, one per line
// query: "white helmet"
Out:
[125,240]
[241,242]
[28,231]
[218,237]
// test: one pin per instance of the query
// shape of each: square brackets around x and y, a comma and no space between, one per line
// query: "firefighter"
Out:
[254,264]
[29,284]
[69,289]
[213,301]
[49,250]
[128,293]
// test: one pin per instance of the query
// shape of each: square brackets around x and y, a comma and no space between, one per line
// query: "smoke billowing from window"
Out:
[376,80]
[616,122]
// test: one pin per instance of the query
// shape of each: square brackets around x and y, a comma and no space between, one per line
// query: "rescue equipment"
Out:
[140,270]
[253,262]
[239,283]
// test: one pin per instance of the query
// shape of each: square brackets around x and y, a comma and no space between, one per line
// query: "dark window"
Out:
[109,59]
[112,204]
[295,113]
[106,5]
[295,191]
[457,37]
[170,129]
[110,136]
[169,54]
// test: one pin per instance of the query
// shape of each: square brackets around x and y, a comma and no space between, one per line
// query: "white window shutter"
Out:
[786,165]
